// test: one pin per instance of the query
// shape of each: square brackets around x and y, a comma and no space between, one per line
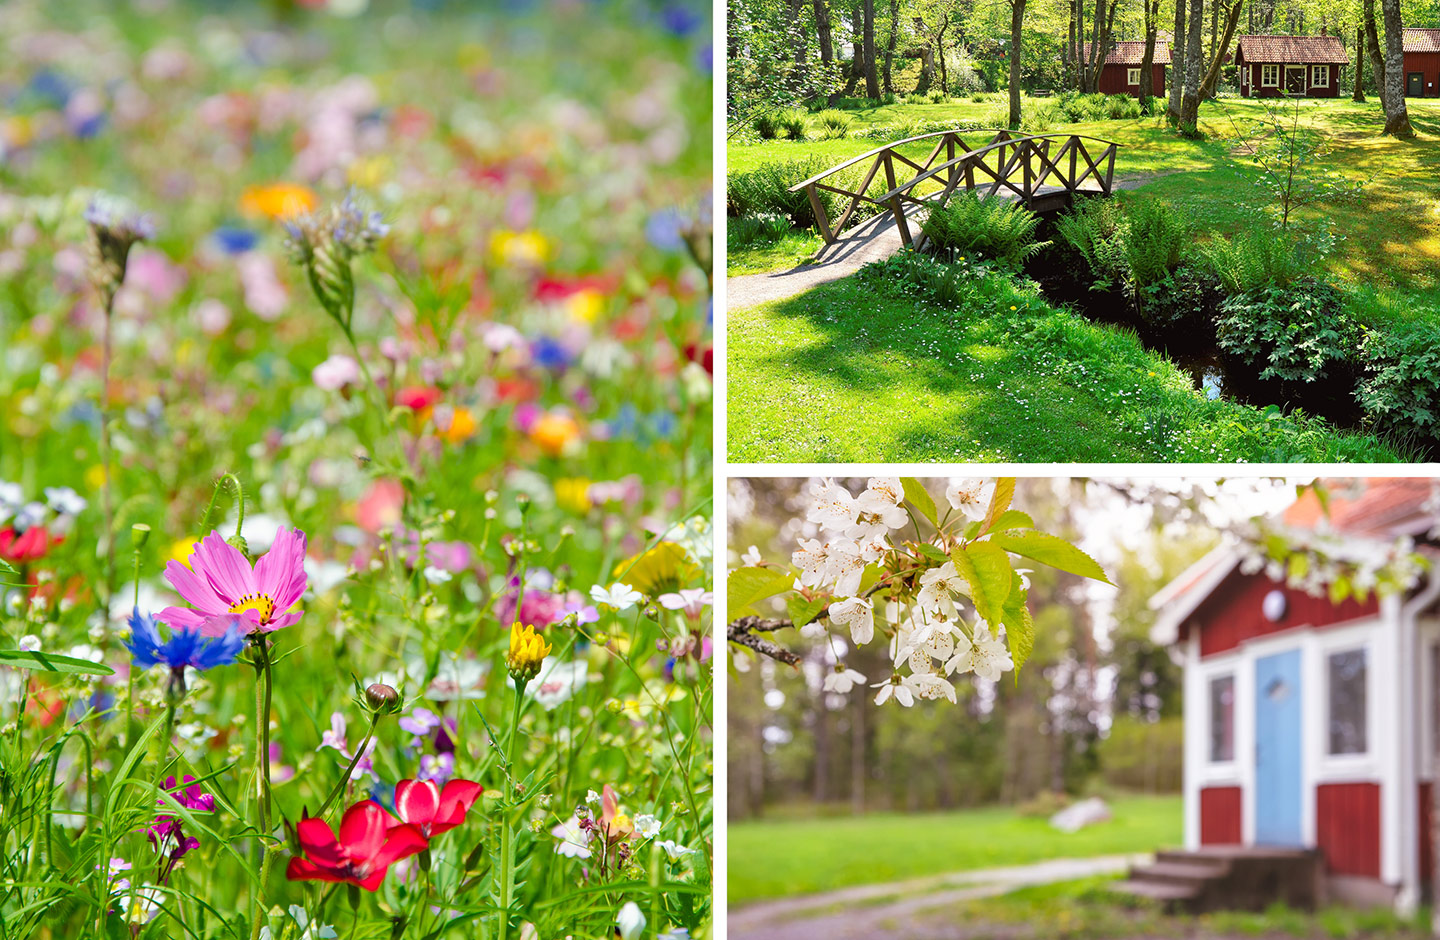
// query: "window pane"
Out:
[1347,703]
[1435,697]
[1222,719]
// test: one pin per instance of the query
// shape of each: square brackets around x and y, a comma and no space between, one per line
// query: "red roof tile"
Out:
[1294,50]
[1422,40]
[1133,53]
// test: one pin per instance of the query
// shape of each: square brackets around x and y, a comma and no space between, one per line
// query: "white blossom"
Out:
[983,655]
[843,679]
[858,613]
[833,508]
[971,498]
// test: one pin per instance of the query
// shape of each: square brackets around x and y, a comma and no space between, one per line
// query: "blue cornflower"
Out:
[186,647]
[680,19]
[549,353]
[234,240]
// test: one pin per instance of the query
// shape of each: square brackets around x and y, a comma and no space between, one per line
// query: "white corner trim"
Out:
[1410,745]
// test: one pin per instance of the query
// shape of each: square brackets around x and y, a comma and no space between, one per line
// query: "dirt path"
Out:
[875,239]
[883,912]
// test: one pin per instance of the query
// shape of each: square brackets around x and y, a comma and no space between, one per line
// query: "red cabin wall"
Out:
[1347,817]
[1427,856]
[1256,91]
[1220,821]
[1113,80]
[1427,64]
[1231,614]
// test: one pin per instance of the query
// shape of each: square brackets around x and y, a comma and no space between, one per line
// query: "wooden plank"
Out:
[817,205]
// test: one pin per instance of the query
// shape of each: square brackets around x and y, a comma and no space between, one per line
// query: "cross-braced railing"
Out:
[1007,165]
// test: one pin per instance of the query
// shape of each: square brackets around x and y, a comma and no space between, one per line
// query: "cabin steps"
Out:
[1235,877]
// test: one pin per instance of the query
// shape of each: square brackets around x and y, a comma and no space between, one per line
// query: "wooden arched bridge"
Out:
[1044,171]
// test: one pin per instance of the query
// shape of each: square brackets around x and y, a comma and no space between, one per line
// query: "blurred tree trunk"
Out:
[1190,99]
[820,792]
[801,50]
[1072,53]
[1147,64]
[858,752]
[822,31]
[1177,63]
[1397,114]
[1359,92]
[872,80]
[1377,60]
[1435,855]
[889,85]
[857,49]
[1099,48]
[1017,21]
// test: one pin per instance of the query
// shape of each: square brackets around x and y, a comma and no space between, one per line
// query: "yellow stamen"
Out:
[261,603]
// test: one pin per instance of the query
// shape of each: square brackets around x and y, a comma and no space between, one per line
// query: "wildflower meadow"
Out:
[355,470]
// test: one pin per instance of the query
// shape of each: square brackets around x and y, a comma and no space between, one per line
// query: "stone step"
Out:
[1184,873]
[1166,893]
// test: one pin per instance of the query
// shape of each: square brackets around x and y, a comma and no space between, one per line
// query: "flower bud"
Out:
[527,652]
[139,534]
[237,542]
[382,699]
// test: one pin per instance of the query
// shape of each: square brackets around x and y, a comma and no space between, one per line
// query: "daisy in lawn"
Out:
[220,582]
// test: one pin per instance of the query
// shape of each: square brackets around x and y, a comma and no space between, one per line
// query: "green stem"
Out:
[345,777]
[107,500]
[507,830]
[262,773]
[130,673]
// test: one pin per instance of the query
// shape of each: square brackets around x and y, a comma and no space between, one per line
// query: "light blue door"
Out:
[1277,750]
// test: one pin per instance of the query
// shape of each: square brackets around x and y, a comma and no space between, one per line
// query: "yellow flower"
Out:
[180,550]
[1012,308]
[526,249]
[573,494]
[556,433]
[277,200]
[369,173]
[527,652]
[95,476]
[585,305]
[462,427]
[663,569]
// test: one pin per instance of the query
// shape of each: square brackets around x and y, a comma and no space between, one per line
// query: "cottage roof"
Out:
[1132,53]
[1295,50]
[1422,40]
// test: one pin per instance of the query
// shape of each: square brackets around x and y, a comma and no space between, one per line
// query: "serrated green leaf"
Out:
[931,552]
[971,531]
[1013,519]
[1020,635]
[986,568]
[36,661]
[868,577]
[803,611]
[1000,501]
[747,585]
[1050,550]
[920,499]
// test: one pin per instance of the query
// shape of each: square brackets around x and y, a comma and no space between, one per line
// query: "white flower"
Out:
[814,630]
[64,500]
[556,682]
[619,596]
[970,497]
[927,685]
[630,921]
[936,586]
[882,499]
[846,565]
[692,600]
[647,825]
[986,656]
[813,561]
[834,507]
[436,575]
[458,679]
[752,557]
[843,679]
[891,689]
[858,613]
[675,933]
[675,850]
[574,841]
[29,643]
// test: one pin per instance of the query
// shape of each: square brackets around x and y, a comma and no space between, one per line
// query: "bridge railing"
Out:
[1022,165]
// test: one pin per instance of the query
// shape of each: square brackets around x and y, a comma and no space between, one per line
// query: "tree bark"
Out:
[940,53]
[872,81]
[1177,63]
[1098,48]
[822,31]
[1147,63]
[1080,70]
[1072,53]
[857,50]
[1017,20]
[1358,94]
[1397,115]
[1377,60]
[1217,62]
[1190,98]
[890,45]
[858,753]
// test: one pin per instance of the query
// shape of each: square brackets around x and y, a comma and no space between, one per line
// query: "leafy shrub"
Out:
[1156,236]
[993,228]
[938,96]
[1299,333]
[1401,388]
[834,124]
[750,230]
[1075,107]
[791,124]
[1188,295]
[953,285]
[1092,230]
[766,190]
[767,125]
[1256,258]
[907,127]
[888,98]
[966,81]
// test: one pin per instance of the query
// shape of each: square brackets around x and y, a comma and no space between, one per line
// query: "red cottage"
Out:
[1308,66]
[1422,63]
[1120,75]
[1310,724]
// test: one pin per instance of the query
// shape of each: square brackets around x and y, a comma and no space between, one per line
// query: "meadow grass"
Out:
[859,371]
[831,853]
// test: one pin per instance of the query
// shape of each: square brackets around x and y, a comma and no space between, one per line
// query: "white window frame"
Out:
[1318,70]
[1132,76]
[1269,78]
[1210,680]
[1348,766]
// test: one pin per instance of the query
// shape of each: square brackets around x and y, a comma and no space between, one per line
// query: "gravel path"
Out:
[882,912]
[874,239]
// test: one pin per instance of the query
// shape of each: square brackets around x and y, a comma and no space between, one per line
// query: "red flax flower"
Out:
[22,547]
[368,845]
[422,804]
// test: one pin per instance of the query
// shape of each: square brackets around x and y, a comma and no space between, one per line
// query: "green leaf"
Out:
[1050,550]
[1013,519]
[986,568]
[920,499]
[931,552]
[868,577]
[803,611]
[999,502]
[1020,635]
[48,662]
[747,585]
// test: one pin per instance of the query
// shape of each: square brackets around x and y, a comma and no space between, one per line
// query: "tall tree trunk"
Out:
[1177,62]
[1217,62]
[822,31]
[1017,20]
[1190,98]
[1147,63]
[1377,59]
[1397,115]
[872,81]
[940,53]
[801,48]
[857,49]
[1098,49]
[1081,72]
[1072,54]
[1214,26]
[821,790]
[1359,93]
[890,44]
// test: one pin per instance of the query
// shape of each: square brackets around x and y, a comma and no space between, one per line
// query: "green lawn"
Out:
[854,372]
[774,858]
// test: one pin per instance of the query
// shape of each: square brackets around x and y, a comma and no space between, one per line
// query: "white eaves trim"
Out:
[1179,599]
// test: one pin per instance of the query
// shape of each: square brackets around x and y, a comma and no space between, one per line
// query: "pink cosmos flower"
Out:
[220,582]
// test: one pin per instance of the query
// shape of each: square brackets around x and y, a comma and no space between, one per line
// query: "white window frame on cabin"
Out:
[1132,76]
[1317,70]
[1269,76]
[1340,767]
[1210,759]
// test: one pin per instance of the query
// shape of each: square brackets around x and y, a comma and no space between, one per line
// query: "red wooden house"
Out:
[1312,725]
[1120,74]
[1308,66]
[1422,63]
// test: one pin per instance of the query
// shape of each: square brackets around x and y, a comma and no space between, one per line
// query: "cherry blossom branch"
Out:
[742,632]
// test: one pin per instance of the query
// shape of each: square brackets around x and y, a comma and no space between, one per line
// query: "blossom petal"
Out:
[183,618]
[300,869]
[224,567]
[317,840]
[193,588]
[362,829]
[400,842]
[416,801]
